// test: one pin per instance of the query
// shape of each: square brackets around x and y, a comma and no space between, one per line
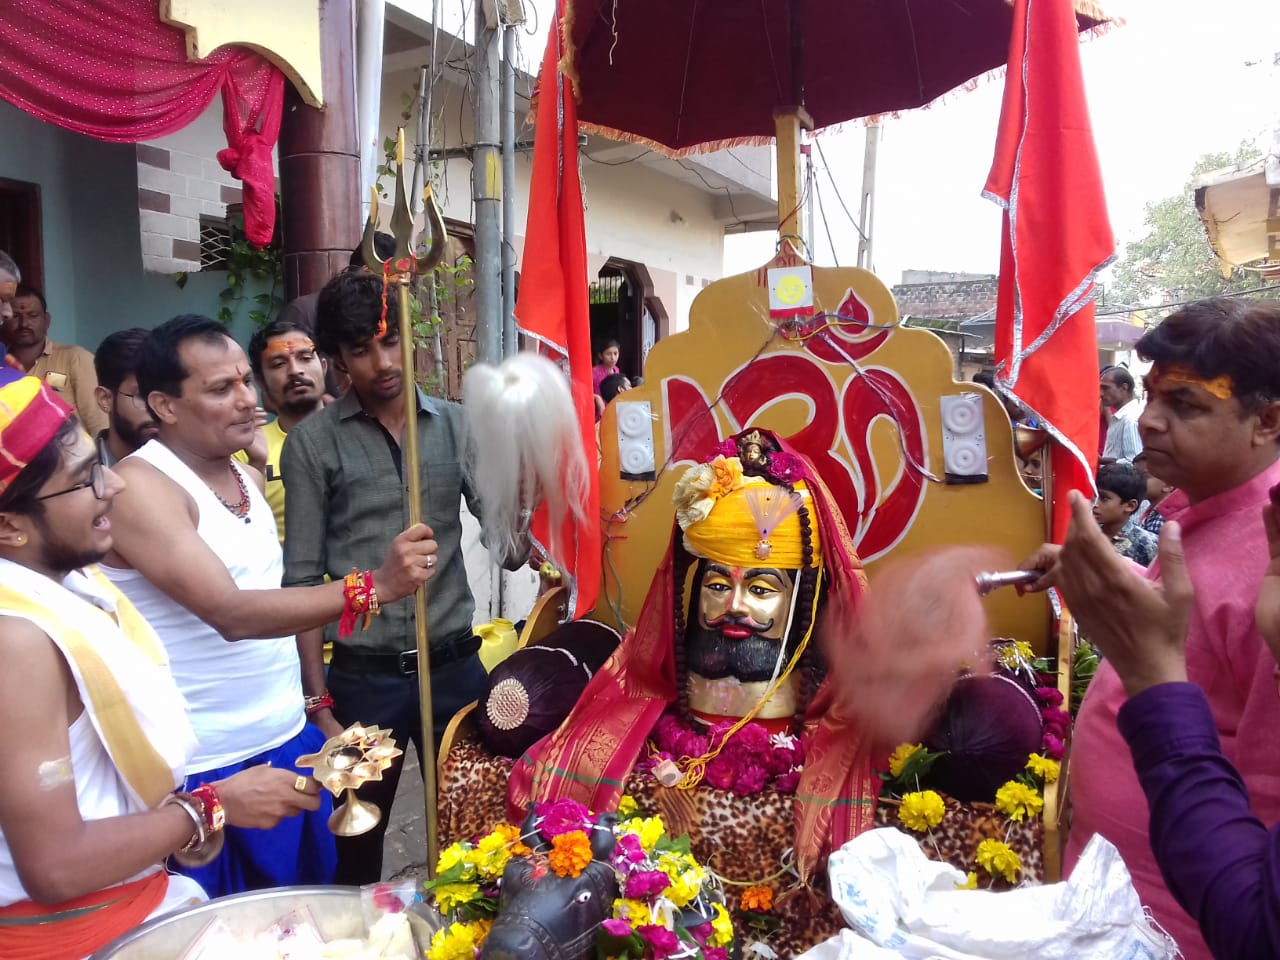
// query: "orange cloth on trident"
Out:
[1056,238]
[76,928]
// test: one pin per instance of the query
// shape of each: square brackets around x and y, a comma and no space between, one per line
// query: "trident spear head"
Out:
[404,262]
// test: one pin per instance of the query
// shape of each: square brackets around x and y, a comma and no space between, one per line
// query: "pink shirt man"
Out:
[1226,551]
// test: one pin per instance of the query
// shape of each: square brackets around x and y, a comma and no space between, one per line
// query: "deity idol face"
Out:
[741,621]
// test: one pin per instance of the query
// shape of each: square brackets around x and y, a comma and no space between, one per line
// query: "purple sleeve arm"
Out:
[1219,861]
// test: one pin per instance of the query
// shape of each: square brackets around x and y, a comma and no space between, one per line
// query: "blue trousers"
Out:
[298,850]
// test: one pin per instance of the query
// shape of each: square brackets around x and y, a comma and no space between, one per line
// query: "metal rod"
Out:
[508,96]
[1008,578]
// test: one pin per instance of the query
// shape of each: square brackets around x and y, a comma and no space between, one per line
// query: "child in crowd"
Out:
[613,385]
[607,354]
[1120,489]
[1148,517]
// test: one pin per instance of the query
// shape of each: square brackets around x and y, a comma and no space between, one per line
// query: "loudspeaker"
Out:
[635,439]
[964,443]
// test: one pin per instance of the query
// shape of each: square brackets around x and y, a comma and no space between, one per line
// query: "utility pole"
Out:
[867,211]
[486,187]
[512,17]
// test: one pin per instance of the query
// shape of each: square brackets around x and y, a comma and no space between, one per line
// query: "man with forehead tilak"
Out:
[1211,428]
[99,737]
[769,550]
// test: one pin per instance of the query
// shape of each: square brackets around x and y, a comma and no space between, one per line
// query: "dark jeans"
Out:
[391,702]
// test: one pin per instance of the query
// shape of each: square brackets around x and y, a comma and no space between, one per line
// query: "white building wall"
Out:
[179,179]
[633,212]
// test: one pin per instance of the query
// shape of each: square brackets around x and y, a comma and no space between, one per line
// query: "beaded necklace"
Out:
[241,508]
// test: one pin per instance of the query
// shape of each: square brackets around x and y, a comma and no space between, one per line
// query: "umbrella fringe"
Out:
[674,153]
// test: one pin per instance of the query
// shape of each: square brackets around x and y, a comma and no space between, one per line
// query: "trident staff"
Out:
[401,269]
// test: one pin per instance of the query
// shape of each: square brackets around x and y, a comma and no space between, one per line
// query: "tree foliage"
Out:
[1173,261]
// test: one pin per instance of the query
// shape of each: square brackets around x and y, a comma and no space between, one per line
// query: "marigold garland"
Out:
[1044,768]
[901,755]
[999,860]
[1017,801]
[759,899]
[570,854]
[921,810]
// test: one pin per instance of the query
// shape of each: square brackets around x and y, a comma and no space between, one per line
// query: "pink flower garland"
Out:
[747,764]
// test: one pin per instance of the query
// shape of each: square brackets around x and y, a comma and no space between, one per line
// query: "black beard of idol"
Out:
[713,656]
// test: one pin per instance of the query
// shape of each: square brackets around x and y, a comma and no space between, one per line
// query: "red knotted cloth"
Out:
[111,70]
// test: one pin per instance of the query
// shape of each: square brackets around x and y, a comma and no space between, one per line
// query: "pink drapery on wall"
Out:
[111,70]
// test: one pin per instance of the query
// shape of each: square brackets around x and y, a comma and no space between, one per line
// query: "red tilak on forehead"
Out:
[289,347]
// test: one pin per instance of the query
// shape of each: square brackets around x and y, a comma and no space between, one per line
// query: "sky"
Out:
[1179,79]
[1170,85]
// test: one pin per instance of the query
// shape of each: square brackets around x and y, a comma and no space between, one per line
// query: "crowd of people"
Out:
[171,570]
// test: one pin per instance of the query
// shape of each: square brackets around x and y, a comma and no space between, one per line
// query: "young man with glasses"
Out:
[129,422]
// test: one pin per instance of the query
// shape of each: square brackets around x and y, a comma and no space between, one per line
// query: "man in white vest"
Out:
[196,551]
[99,737]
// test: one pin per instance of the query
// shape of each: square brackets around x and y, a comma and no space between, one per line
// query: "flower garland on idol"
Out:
[659,882]
[1019,799]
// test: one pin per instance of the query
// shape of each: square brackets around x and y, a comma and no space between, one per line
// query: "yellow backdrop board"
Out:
[858,394]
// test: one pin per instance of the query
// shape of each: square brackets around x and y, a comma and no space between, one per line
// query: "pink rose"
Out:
[627,851]
[660,942]
[1049,696]
[751,780]
[1053,747]
[787,783]
[720,774]
[616,928]
[644,884]
[786,467]
[561,816]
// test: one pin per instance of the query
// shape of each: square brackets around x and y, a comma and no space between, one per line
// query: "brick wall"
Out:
[947,299]
[175,187]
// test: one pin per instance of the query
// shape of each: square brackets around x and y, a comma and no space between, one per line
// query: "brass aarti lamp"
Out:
[347,762]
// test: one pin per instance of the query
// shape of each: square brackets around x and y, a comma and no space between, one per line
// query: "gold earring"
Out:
[21,540]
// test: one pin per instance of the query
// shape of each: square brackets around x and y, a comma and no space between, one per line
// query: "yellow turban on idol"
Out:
[743,521]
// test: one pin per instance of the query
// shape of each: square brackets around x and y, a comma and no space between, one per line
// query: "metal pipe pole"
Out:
[510,341]
[369,65]
[867,213]
[486,189]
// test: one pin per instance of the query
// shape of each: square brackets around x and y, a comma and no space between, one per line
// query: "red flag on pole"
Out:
[1056,238]
[552,304]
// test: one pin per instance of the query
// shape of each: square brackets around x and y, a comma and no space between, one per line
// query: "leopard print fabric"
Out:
[964,826]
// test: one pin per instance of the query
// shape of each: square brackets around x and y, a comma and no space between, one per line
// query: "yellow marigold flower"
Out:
[627,806]
[570,853]
[1043,767]
[454,942]
[451,856]
[970,882]
[481,928]
[921,810]
[685,875]
[759,899]
[721,927]
[491,855]
[1016,800]
[648,829]
[449,896]
[999,860]
[900,757]
[635,912]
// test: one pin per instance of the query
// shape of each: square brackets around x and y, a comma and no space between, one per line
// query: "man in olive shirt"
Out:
[65,368]
[346,498]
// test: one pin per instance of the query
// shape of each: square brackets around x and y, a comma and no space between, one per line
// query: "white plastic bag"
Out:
[902,904]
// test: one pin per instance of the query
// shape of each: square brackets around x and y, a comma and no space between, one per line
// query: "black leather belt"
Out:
[404,663]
